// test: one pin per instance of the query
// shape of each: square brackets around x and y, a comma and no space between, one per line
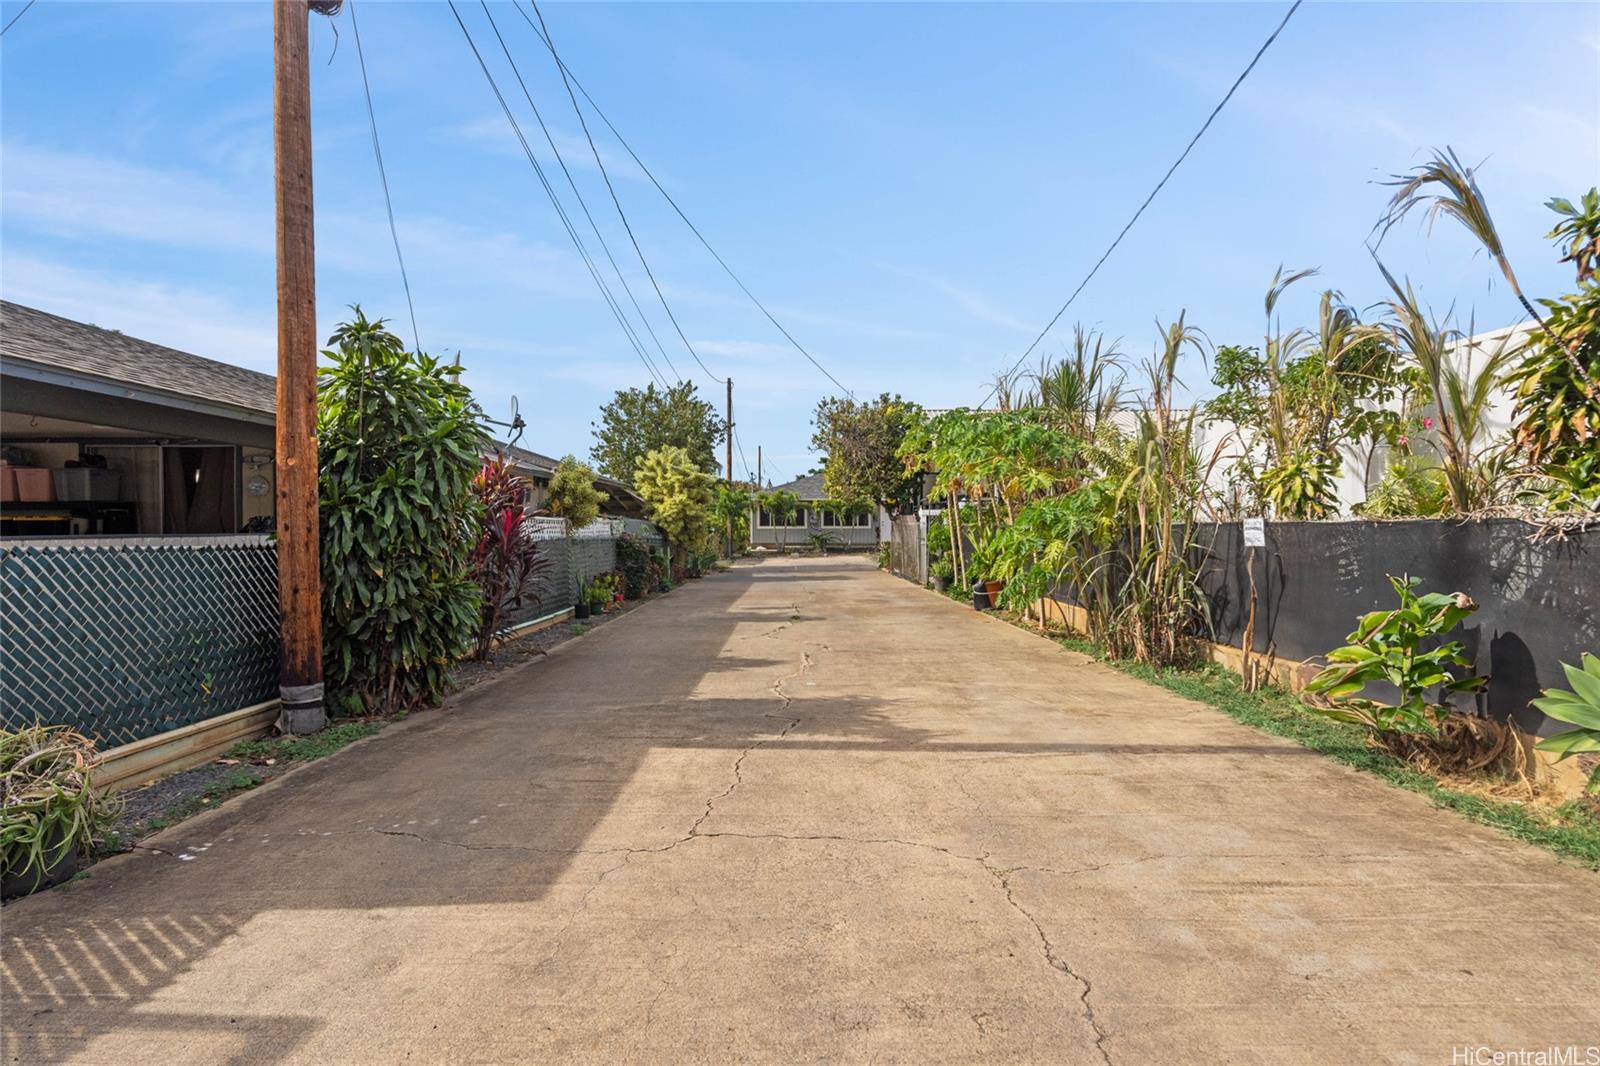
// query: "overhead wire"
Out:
[568,74]
[572,183]
[15,17]
[383,175]
[572,233]
[1170,170]
[617,203]
[739,446]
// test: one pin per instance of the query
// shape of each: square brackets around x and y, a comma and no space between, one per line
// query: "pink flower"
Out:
[1402,441]
[1427,423]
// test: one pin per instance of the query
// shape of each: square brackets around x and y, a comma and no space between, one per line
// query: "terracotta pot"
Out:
[993,589]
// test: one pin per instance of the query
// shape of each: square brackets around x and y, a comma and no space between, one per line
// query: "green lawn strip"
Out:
[1568,830]
[303,749]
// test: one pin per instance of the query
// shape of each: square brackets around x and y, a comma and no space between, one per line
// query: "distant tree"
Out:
[573,496]
[732,513]
[677,495]
[861,441]
[781,505]
[637,421]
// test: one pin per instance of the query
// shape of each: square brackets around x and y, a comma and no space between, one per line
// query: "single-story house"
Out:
[848,531]
[103,433]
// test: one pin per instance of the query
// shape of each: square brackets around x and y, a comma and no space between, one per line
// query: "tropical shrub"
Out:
[1411,488]
[1557,414]
[822,540]
[573,497]
[677,496]
[637,565]
[1387,646]
[48,805]
[1300,485]
[506,556]
[731,517]
[1301,397]
[399,440]
[1579,707]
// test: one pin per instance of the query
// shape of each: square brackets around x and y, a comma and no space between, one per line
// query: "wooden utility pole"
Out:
[299,567]
[760,485]
[729,468]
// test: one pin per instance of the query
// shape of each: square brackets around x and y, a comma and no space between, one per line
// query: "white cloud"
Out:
[80,196]
[974,304]
[493,133]
[757,351]
[179,317]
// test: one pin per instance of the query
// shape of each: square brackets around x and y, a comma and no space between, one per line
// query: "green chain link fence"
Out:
[127,638]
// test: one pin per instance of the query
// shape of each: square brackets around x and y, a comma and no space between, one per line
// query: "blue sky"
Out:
[912,189]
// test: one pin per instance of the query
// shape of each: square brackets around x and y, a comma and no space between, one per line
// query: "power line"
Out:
[738,444]
[572,183]
[18,15]
[618,203]
[567,73]
[566,222]
[1187,149]
[383,176]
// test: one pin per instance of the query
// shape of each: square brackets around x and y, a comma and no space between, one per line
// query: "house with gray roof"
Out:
[813,518]
[104,433]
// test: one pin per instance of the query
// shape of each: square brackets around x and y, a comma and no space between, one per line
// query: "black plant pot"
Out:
[941,583]
[980,597]
[13,885]
[580,610]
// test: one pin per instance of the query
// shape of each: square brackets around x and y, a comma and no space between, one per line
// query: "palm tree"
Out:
[1462,200]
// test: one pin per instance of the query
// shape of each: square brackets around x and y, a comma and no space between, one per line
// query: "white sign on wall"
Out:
[1255,532]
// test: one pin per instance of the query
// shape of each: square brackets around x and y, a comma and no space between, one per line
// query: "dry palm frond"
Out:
[1462,200]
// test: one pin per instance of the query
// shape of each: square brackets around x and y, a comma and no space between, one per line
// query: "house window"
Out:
[767,520]
[833,521]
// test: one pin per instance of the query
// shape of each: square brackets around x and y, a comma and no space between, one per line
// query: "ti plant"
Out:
[48,806]
[1579,707]
[1387,647]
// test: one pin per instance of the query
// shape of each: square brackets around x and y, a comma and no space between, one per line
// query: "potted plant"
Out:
[941,573]
[49,811]
[601,592]
[581,608]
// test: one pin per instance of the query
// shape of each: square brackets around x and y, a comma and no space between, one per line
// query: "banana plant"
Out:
[1579,707]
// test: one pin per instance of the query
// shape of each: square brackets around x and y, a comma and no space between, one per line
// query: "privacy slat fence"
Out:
[908,548]
[126,638]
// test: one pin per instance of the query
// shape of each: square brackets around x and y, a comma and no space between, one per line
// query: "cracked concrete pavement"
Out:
[805,811]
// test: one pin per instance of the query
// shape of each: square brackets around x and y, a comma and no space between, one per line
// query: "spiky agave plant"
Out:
[48,805]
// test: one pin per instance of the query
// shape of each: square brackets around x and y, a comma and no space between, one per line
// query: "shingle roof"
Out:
[30,335]
[34,336]
[807,488]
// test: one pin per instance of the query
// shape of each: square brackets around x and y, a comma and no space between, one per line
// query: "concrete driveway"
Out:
[806,811]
